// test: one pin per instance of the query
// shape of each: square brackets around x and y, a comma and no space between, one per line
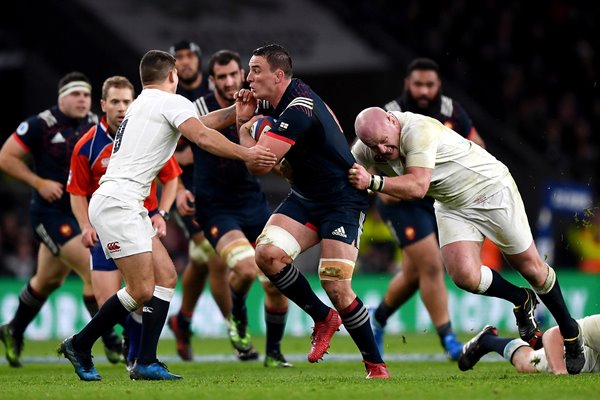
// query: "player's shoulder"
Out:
[207,103]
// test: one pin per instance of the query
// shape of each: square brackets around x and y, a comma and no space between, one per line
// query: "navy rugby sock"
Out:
[154,315]
[494,343]
[92,307]
[295,287]
[503,289]
[275,320]
[356,322]
[555,303]
[239,311]
[383,313]
[30,304]
[110,314]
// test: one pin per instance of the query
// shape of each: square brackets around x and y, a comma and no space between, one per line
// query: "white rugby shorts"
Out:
[500,217]
[123,229]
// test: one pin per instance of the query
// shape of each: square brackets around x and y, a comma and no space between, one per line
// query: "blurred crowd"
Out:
[533,66]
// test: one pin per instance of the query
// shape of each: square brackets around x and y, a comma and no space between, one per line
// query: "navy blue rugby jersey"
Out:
[320,155]
[218,179]
[50,138]
[446,110]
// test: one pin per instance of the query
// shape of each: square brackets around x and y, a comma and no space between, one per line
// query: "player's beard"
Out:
[223,94]
[413,105]
[189,81]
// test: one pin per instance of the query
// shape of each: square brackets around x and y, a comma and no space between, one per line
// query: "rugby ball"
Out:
[260,126]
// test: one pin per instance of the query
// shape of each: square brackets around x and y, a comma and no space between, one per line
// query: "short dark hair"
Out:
[422,64]
[185,44]
[277,58]
[155,66]
[119,82]
[223,57]
[72,77]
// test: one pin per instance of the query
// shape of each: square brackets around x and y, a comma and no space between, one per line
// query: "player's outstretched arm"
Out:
[413,185]
[217,144]
[219,119]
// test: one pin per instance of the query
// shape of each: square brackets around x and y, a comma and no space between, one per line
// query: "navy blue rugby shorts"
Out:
[339,217]
[410,221]
[53,227]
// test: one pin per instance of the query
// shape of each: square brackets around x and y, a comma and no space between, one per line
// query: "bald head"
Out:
[379,130]
[368,122]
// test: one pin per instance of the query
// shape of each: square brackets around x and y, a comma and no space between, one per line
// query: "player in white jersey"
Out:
[475,197]
[550,358]
[145,140]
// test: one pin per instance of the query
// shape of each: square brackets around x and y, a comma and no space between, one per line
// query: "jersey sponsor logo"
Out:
[341,232]
[113,247]
[58,138]
[283,126]
[22,128]
[214,231]
[104,162]
[148,309]
[65,230]
[410,233]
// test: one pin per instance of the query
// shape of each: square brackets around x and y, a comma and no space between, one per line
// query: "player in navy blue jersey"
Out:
[321,207]
[49,138]
[413,223]
[231,208]
[203,262]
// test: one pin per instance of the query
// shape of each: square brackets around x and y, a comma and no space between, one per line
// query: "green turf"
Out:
[326,380]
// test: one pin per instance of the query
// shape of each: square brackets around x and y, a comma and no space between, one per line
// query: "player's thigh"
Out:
[424,257]
[76,256]
[138,272]
[51,271]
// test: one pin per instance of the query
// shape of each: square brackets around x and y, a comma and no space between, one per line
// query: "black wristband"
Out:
[164,214]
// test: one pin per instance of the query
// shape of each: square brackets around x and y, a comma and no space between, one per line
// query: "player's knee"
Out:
[239,254]
[49,285]
[142,294]
[200,253]
[246,270]
[276,247]
[464,278]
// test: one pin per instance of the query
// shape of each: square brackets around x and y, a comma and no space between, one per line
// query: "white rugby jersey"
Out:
[144,142]
[463,173]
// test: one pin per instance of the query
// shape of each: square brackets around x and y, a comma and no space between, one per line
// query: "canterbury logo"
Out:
[340,232]
[113,247]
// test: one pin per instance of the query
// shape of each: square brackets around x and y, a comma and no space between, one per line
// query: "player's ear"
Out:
[278,76]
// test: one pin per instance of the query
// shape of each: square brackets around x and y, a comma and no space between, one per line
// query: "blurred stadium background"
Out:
[527,73]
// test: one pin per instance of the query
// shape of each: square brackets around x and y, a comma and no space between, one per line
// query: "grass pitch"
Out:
[415,362]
